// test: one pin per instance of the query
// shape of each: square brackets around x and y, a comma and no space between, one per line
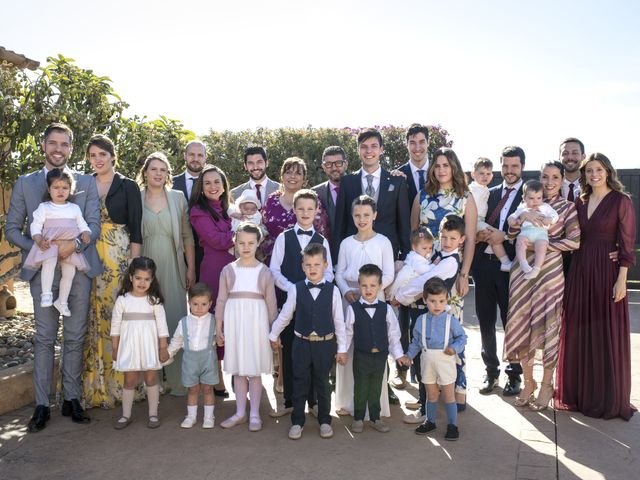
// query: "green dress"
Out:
[158,245]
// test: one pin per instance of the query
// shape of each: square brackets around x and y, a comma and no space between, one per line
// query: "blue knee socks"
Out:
[452,413]
[432,411]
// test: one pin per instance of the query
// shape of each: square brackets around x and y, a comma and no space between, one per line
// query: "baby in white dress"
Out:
[246,209]
[417,262]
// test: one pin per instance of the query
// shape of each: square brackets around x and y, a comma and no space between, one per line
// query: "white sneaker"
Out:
[46,300]
[326,431]
[63,308]
[188,422]
[414,418]
[295,432]
[208,422]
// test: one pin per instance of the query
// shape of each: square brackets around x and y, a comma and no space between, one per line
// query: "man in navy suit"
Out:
[389,192]
[415,169]
[334,164]
[491,284]
[195,158]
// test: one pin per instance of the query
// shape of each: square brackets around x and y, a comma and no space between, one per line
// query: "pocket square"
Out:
[391,188]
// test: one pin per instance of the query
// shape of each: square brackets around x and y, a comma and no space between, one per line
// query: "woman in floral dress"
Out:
[446,193]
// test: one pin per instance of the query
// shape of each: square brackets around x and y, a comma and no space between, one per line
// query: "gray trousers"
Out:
[74,329]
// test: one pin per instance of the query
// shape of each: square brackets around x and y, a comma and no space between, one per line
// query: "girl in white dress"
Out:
[245,309]
[139,336]
[364,247]
[57,219]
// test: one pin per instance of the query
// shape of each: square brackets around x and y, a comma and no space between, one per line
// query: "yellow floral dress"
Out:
[102,385]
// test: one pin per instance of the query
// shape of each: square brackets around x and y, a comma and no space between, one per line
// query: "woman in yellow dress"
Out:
[120,240]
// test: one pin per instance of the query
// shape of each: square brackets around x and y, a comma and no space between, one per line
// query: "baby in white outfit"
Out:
[417,262]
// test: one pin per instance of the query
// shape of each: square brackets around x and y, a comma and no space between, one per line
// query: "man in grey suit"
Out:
[334,164]
[26,196]
[256,163]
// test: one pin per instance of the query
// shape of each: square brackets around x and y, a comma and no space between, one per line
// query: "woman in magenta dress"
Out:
[208,215]
[278,214]
[594,371]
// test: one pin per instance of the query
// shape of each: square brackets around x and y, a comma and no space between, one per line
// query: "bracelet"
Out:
[463,274]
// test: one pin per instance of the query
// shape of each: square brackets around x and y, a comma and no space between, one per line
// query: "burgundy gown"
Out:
[594,369]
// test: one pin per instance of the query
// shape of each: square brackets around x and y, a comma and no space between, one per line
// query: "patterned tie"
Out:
[496,212]
[436,256]
[258,194]
[370,190]
[421,179]
[571,196]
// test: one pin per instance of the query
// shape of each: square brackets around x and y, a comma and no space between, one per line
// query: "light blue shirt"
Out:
[435,327]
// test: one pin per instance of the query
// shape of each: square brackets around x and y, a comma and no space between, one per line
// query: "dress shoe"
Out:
[400,380]
[39,419]
[72,408]
[221,393]
[412,405]
[488,385]
[452,433]
[512,388]
[393,399]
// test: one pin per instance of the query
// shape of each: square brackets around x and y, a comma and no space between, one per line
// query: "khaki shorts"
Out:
[438,367]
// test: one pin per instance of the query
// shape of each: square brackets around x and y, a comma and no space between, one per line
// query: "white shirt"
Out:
[545,209]
[481,197]
[130,303]
[393,328]
[576,188]
[189,182]
[289,308]
[504,213]
[277,256]
[375,182]
[50,211]
[197,330]
[416,175]
[446,268]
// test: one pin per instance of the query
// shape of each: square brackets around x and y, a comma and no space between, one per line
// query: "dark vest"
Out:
[370,332]
[314,315]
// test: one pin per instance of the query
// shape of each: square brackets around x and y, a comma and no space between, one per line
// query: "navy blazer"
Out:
[393,220]
[411,184]
[495,194]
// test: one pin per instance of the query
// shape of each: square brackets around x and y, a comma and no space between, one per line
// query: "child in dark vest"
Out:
[316,307]
[286,267]
[438,336]
[446,267]
[375,332]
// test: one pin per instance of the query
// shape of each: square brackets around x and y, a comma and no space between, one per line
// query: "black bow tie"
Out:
[316,285]
[436,256]
[304,232]
[371,305]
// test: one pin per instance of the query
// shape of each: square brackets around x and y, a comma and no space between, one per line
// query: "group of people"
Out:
[184,274]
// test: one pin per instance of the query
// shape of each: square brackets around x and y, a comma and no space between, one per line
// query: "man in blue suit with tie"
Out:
[415,169]
[26,196]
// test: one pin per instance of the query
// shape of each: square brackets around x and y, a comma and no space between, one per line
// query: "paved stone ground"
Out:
[498,441]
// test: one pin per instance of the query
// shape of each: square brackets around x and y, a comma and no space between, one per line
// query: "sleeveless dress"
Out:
[433,208]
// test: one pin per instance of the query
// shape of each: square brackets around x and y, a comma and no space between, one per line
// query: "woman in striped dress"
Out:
[535,306]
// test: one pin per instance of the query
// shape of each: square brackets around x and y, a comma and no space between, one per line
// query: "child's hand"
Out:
[275,345]
[164,355]
[395,303]
[352,296]
[341,358]
[43,243]
[220,339]
[404,360]
[85,237]
[449,351]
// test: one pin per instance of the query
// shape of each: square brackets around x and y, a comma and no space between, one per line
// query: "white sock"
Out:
[526,268]
[192,411]
[127,402]
[153,398]
[208,411]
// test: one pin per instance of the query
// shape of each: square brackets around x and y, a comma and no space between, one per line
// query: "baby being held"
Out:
[246,209]
[417,262]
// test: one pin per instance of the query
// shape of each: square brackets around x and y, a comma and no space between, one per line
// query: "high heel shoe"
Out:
[526,397]
[545,395]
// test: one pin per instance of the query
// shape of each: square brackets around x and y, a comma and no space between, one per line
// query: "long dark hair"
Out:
[59,174]
[198,198]
[154,294]
[458,178]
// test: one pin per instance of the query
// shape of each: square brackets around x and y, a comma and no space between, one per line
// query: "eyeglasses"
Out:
[337,163]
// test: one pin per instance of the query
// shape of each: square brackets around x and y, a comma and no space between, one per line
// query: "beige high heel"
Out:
[526,396]
[545,395]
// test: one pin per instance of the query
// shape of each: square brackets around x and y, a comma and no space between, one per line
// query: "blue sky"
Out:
[493,73]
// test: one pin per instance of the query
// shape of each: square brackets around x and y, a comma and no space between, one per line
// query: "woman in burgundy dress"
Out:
[208,215]
[594,371]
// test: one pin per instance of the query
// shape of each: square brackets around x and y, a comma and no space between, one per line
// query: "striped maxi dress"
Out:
[535,306]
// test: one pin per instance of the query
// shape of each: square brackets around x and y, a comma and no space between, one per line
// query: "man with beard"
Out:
[256,163]
[571,156]
[334,164]
[26,196]
[195,158]
[492,284]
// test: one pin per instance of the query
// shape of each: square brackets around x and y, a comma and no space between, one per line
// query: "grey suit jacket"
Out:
[324,194]
[270,188]
[27,195]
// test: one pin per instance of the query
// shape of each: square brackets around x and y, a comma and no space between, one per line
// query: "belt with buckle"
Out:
[315,338]
[375,350]
[418,306]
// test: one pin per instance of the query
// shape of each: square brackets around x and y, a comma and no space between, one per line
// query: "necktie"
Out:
[571,195]
[496,212]
[193,180]
[258,194]
[371,305]
[315,285]
[421,179]
[369,190]
[304,232]
[336,189]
